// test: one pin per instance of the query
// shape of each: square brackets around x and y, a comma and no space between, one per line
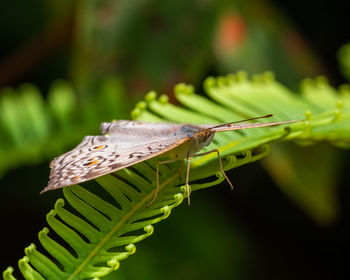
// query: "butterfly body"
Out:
[125,143]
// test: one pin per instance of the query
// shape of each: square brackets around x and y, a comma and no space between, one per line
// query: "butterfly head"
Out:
[205,137]
[200,140]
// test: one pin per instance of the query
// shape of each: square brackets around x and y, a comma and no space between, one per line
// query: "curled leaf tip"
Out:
[232,78]
[131,248]
[23,261]
[141,105]
[180,87]
[8,272]
[242,76]
[269,76]
[9,269]
[43,232]
[30,249]
[221,81]
[135,114]
[247,155]
[321,81]
[163,99]
[114,264]
[209,83]
[149,229]
[166,210]
[219,175]
[151,96]
[305,83]
[308,115]
[59,203]
[51,214]
[231,161]
[184,88]
[178,197]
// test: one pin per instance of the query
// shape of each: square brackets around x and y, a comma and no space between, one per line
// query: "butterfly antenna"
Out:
[251,119]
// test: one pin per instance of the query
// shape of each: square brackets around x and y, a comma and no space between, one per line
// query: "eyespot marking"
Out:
[76,178]
[93,162]
[98,147]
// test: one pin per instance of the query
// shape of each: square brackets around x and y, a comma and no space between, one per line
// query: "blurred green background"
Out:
[66,66]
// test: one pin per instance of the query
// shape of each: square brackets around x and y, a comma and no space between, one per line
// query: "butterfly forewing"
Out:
[126,143]
[134,130]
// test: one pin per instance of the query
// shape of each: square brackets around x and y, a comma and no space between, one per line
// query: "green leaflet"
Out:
[105,224]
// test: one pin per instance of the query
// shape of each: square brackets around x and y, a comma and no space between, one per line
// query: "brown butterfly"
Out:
[125,143]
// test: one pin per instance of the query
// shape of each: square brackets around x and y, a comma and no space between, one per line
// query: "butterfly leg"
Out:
[220,163]
[187,179]
[157,176]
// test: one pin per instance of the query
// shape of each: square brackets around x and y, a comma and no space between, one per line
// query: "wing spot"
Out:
[94,162]
[91,162]
[99,147]
[76,178]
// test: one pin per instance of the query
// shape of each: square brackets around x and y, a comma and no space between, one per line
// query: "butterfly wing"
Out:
[125,143]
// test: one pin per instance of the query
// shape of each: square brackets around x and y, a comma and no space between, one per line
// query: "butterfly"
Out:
[125,143]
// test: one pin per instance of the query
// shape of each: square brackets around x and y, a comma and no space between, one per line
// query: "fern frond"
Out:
[104,233]
[101,230]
